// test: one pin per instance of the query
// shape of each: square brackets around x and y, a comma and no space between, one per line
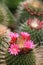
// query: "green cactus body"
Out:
[21,59]
[12,4]
[6,16]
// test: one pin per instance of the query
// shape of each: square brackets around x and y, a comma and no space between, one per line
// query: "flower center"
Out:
[14,49]
[34,24]
[20,42]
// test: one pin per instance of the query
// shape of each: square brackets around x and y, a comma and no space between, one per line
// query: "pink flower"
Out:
[25,35]
[13,36]
[35,23]
[29,44]
[14,49]
[40,24]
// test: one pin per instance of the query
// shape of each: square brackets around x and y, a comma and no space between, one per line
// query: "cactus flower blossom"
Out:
[20,42]
[14,49]
[29,44]
[35,23]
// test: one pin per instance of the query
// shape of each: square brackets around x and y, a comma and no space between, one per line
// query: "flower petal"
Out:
[29,44]
[13,36]
[25,35]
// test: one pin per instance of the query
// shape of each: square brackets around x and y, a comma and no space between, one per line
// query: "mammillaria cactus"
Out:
[18,51]
[21,49]
[6,16]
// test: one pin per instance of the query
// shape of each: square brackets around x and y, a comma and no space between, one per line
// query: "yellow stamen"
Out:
[20,42]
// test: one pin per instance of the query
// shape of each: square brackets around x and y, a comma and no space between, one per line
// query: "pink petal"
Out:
[25,35]
[13,36]
[29,44]
[16,34]
[40,25]
[28,21]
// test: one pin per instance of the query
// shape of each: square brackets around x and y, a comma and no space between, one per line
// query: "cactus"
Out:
[6,16]
[39,55]
[22,59]
[12,4]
